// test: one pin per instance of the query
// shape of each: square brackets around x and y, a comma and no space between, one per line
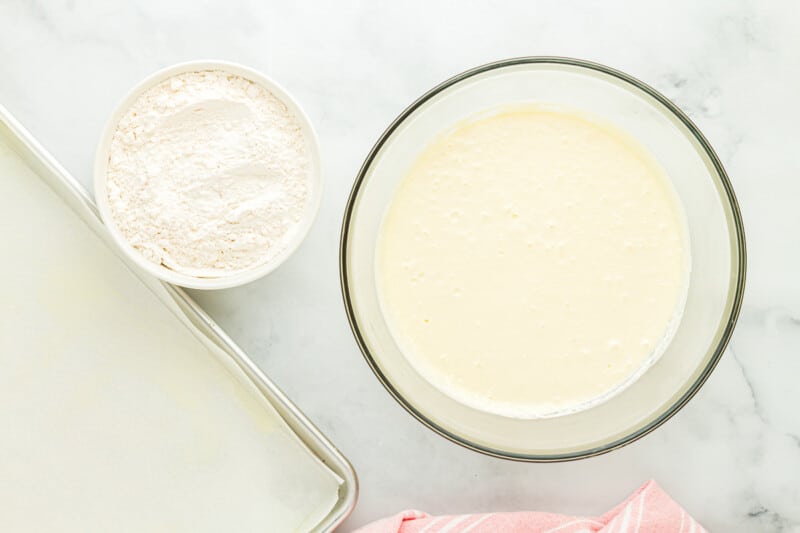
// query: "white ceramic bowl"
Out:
[235,278]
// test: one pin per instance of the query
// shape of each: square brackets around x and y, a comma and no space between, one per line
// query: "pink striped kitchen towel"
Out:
[648,510]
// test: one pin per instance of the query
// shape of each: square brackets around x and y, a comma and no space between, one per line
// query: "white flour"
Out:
[208,174]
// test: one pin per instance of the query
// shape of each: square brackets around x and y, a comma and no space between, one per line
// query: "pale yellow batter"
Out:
[533,261]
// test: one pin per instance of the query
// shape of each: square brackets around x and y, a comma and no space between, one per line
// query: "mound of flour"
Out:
[208,174]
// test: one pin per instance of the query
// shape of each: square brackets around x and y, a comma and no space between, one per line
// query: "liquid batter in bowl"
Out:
[533,262]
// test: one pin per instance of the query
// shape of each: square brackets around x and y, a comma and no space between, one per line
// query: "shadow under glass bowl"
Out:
[716,282]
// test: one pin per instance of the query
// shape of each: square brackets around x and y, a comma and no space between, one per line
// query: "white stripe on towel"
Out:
[641,508]
[573,522]
[454,523]
[626,518]
[474,524]
[431,524]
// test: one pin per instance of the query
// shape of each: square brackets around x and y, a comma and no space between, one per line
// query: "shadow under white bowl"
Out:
[298,232]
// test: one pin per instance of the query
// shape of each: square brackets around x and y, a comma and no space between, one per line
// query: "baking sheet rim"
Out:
[181,302]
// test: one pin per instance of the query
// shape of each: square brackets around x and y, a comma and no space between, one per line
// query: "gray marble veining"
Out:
[731,457]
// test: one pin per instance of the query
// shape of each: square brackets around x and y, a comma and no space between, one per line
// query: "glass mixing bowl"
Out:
[716,282]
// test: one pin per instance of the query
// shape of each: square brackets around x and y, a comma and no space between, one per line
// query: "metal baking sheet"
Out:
[182,306]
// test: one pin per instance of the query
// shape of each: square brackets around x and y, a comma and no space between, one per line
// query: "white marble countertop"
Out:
[731,457]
